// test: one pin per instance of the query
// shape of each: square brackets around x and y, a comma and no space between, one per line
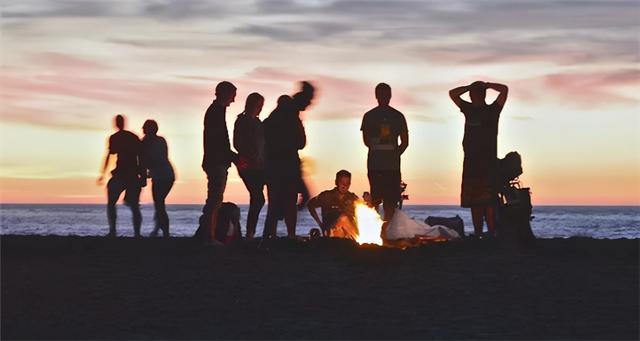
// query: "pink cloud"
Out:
[596,88]
[65,62]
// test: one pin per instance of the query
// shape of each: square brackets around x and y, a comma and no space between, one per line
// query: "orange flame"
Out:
[369,225]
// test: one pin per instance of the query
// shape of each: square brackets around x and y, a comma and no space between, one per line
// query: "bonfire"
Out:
[369,225]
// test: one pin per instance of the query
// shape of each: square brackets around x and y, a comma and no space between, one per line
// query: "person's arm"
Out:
[365,131]
[455,94]
[312,205]
[104,168]
[237,139]
[404,136]
[301,135]
[404,141]
[503,92]
[105,164]
[142,170]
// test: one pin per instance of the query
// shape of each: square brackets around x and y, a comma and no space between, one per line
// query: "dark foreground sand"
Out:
[94,288]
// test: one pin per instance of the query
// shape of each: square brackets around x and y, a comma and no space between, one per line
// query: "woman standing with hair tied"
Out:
[155,162]
[248,140]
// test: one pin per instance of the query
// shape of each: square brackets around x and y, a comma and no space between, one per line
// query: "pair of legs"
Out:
[481,213]
[282,190]
[159,190]
[131,187]
[254,180]
[385,188]
[478,188]
[216,184]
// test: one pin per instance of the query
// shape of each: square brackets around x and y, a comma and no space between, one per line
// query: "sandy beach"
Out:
[96,288]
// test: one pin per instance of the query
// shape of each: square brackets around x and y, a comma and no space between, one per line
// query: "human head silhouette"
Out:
[302,99]
[253,104]
[478,92]
[150,127]
[225,93]
[119,121]
[343,181]
[383,94]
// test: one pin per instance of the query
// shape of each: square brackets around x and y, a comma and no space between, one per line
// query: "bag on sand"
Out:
[455,223]
[402,226]
[228,224]
[514,216]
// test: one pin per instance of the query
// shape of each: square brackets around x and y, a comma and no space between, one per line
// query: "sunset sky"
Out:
[573,69]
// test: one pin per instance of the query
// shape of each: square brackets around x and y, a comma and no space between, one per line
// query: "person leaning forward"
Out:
[338,209]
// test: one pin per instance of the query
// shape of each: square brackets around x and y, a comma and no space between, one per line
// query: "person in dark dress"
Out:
[127,177]
[248,139]
[217,159]
[381,128]
[480,145]
[156,165]
[337,208]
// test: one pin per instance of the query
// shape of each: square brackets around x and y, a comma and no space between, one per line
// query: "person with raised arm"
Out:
[285,136]
[480,145]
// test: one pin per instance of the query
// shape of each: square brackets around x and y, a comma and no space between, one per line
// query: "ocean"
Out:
[600,222]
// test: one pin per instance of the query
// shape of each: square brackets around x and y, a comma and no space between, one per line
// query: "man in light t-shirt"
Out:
[381,128]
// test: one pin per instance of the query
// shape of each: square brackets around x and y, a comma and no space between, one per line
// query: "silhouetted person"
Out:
[217,158]
[381,128]
[338,209]
[248,139]
[284,136]
[156,165]
[127,177]
[480,144]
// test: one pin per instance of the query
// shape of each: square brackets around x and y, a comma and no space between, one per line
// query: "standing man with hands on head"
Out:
[381,128]
[480,144]
[217,158]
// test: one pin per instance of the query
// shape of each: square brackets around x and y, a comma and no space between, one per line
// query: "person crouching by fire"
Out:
[338,209]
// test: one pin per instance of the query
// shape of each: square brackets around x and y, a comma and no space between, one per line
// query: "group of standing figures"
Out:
[267,155]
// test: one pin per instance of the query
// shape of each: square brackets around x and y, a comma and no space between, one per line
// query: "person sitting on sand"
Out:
[338,209]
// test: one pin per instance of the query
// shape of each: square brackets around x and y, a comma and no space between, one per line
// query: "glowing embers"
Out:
[369,225]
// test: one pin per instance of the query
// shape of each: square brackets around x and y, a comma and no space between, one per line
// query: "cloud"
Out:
[468,32]
[296,31]
[595,88]
[160,9]
[60,8]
